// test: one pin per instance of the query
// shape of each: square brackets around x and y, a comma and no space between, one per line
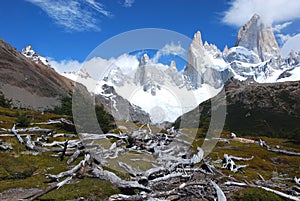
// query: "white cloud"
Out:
[278,27]
[271,11]
[128,3]
[98,7]
[74,15]
[291,44]
[65,65]
[127,63]
[169,49]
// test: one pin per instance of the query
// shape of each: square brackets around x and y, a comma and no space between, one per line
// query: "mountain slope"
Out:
[30,84]
[257,109]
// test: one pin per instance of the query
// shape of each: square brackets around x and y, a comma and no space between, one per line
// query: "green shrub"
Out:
[22,120]
[105,120]
[84,102]
[65,106]
[4,102]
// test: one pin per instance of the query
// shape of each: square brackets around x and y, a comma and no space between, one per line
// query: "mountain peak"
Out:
[255,18]
[30,53]
[173,64]
[259,38]
[197,38]
[144,60]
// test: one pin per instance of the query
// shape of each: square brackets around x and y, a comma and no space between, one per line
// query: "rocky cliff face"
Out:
[201,67]
[150,76]
[120,108]
[259,38]
[30,84]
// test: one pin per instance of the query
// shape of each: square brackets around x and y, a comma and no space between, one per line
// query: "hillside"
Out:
[29,84]
[257,109]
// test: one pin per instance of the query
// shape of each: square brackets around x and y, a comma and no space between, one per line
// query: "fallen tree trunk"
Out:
[47,190]
[71,172]
[265,188]
[114,179]
[13,130]
[281,151]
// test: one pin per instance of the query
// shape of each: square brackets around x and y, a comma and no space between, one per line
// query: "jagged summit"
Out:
[197,38]
[173,65]
[144,60]
[30,53]
[259,38]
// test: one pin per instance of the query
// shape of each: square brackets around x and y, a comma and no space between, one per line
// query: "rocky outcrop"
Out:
[30,53]
[149,75]
[200,67]
[259,38]
[173,75]
[120,108]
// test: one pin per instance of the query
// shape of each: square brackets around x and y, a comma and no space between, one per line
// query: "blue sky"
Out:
[71,29]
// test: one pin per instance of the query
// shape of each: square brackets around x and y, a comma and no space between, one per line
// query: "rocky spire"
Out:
[258,37]
[144,60]
[197,38]
[225,49]
[173,65]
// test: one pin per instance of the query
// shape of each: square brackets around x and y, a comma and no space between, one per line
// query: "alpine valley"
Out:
[145,130]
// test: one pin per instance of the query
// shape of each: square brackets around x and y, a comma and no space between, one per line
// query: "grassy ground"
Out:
[20,169]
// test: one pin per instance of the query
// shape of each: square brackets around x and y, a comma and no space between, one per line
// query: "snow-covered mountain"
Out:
[30,53]
[165,93]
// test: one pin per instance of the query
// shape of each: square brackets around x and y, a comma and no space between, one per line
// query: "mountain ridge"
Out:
[256,109]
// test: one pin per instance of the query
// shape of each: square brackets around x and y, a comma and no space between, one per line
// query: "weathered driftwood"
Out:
[260,177]
[281,151]
[240,139]
[114,179]
[55,121]
[265,188]
[47,190]
[220,193]
[72,171]
[280,193]
[164,178]
[297,181]
[228,162]
[74,156]
[5,147]
[14,131]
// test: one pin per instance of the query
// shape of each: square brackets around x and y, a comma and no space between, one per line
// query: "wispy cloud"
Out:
[271,11]
[128,3]
[74,15]
[278,27]
[169,49]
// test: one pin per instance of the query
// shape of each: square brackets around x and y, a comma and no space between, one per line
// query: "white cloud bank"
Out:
[65,65]
[74,15]
[271,11]
[127,64]
[169,49]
